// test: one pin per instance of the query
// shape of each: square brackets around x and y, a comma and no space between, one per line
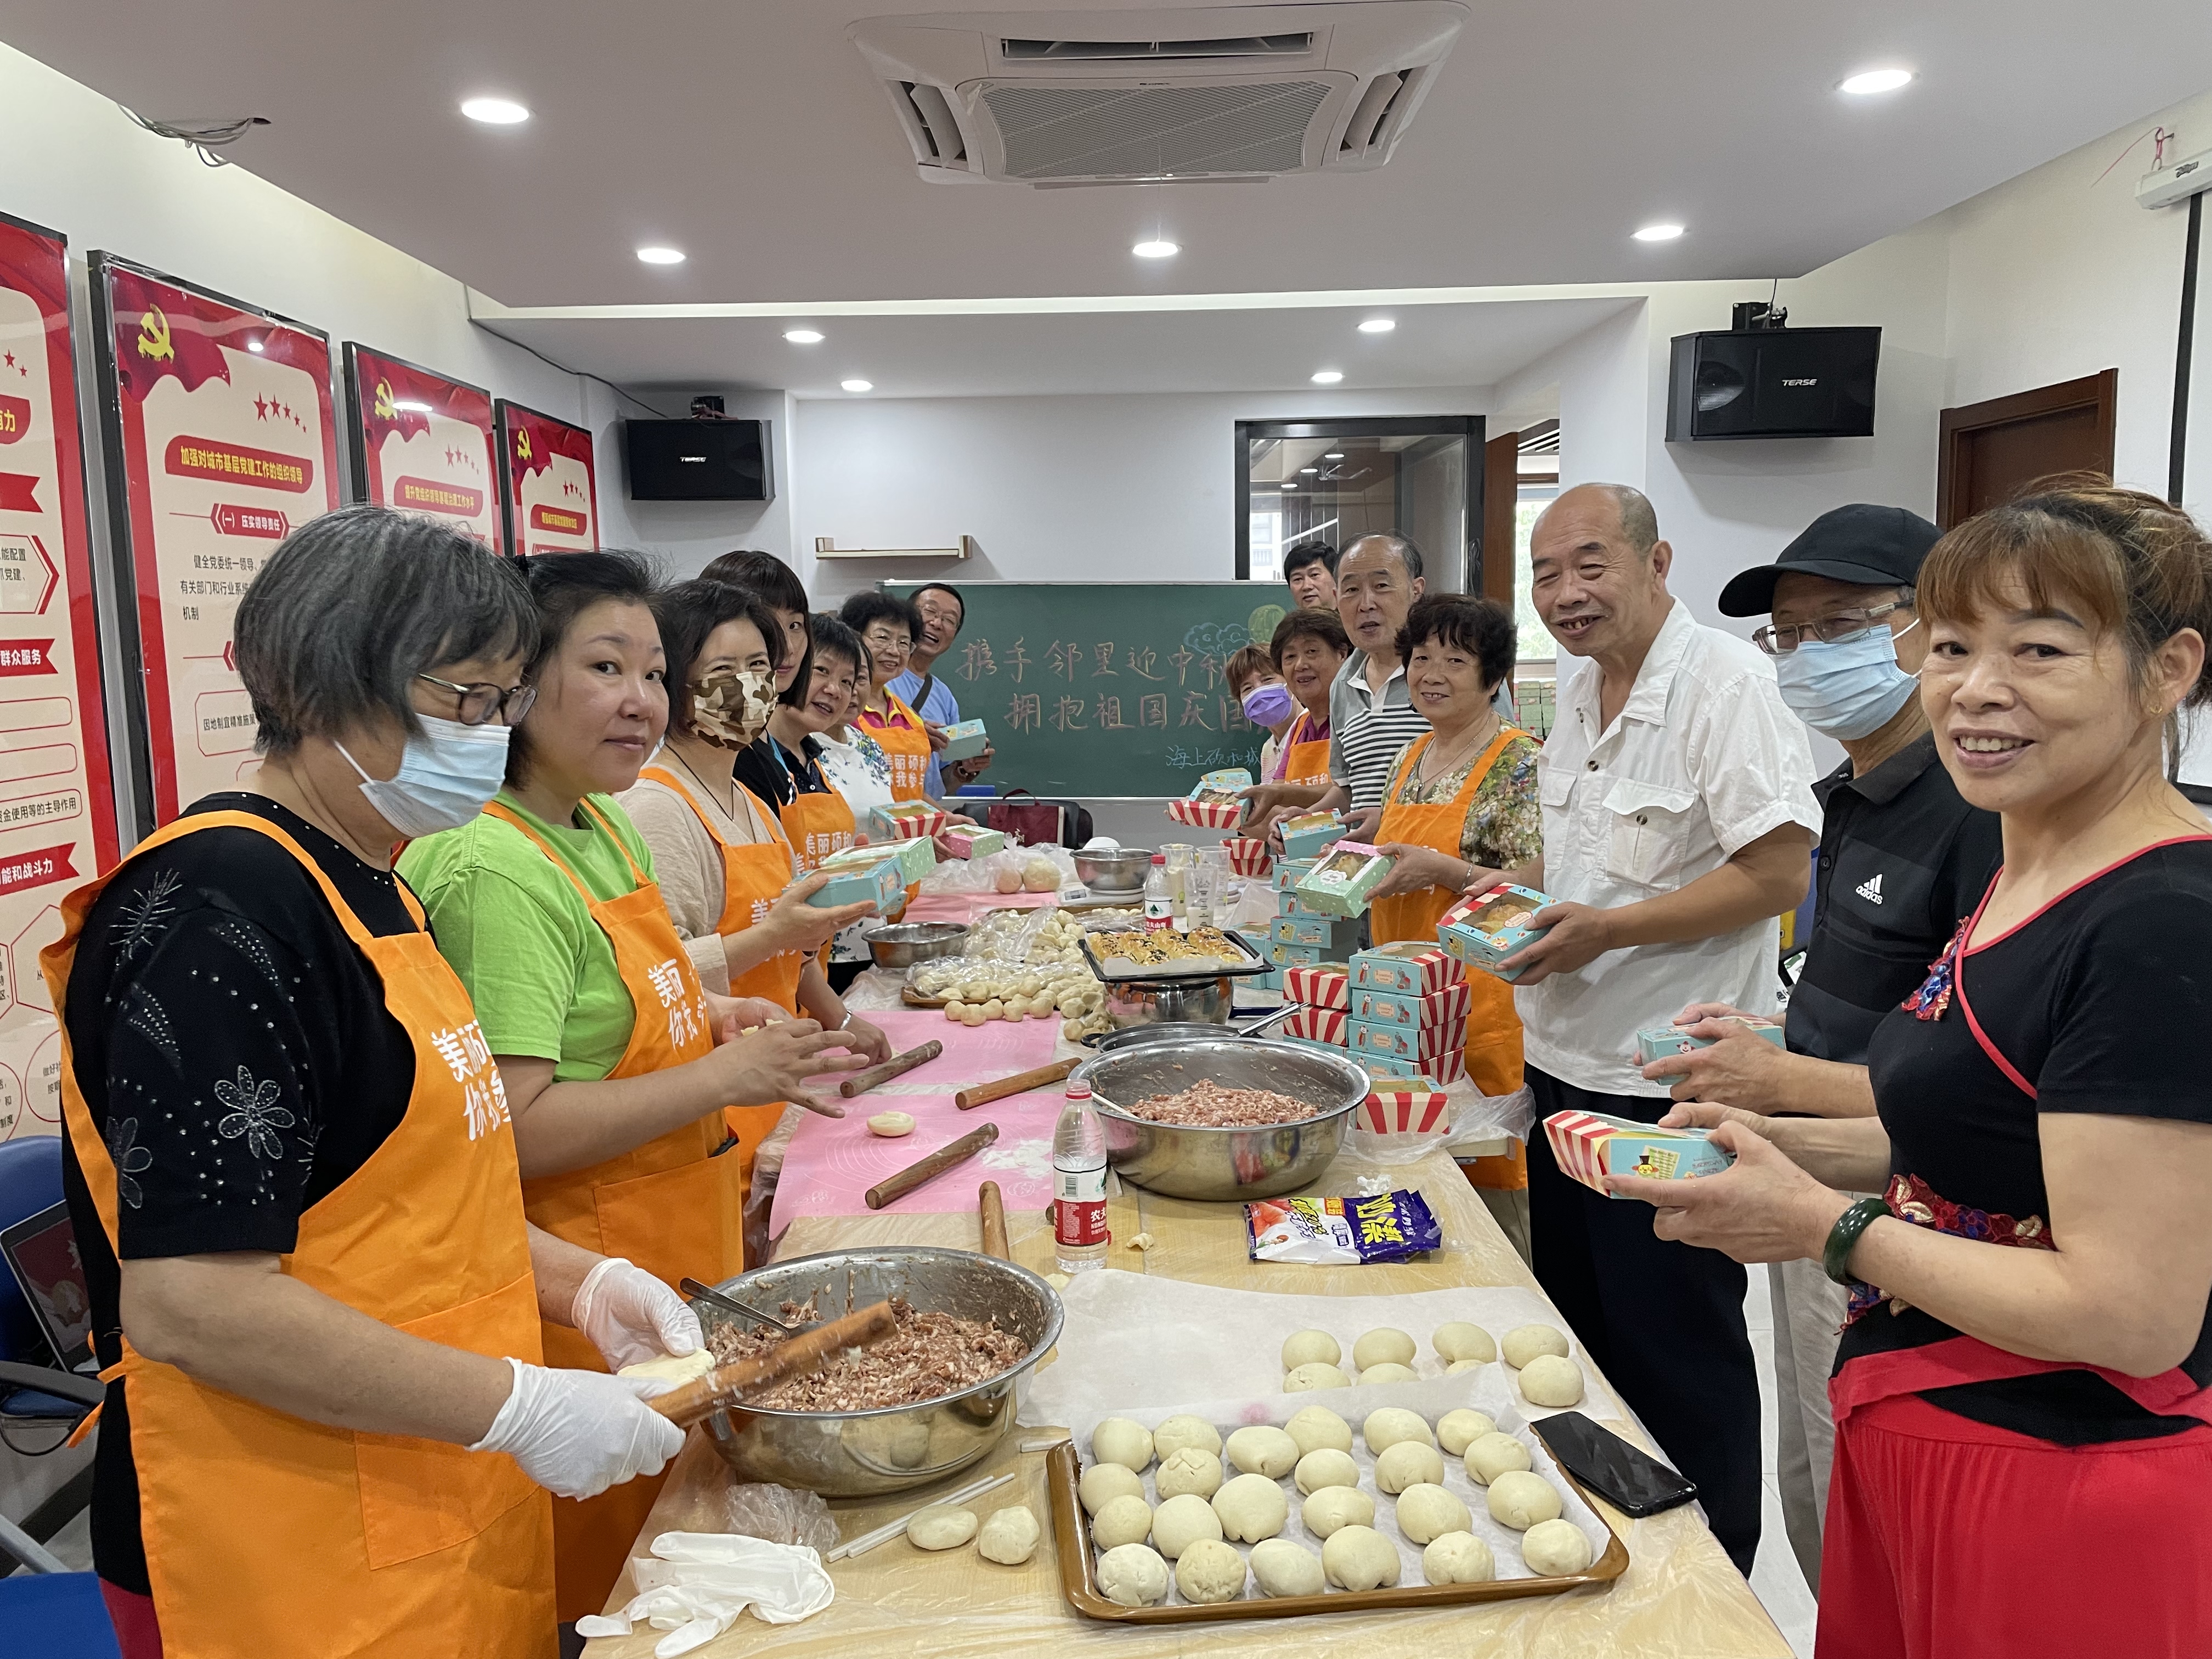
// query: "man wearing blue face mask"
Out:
[1902,860]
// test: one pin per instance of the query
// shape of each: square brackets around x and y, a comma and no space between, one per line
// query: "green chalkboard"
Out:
[1107,688]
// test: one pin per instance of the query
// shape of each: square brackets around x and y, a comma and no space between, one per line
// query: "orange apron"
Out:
[1305,760]
[907,747]
[1493,1029]
[670,1206]
[754,876]
[271,1535]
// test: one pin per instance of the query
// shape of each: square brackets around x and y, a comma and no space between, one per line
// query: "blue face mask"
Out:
[1267,705]
[446,777]
[1848,688]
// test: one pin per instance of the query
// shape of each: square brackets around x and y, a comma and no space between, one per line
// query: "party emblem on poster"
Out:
[551,499]
[423,443]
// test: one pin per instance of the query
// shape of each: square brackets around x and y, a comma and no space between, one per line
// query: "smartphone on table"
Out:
[1632,1481]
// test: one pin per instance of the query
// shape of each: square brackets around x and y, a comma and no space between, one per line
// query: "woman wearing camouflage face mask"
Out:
[724,864]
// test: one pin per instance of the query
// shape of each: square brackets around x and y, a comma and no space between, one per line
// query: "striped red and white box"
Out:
[1408,1105]
[1447,1068]
[1412,965]
[1248,857]
[1206,814]
[1322,984]
[1317,1024]
[1414,1046]
[1421,1013]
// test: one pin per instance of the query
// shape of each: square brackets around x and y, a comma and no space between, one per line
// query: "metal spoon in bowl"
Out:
[699,1293]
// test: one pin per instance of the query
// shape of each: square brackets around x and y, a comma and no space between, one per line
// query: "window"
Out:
[1336,481]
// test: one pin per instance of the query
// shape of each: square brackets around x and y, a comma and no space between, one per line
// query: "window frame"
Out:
[1466,576]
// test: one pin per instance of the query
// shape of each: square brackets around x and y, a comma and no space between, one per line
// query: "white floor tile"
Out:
[1776,1580]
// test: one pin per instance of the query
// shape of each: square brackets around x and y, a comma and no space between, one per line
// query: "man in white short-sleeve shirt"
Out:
[1679,818]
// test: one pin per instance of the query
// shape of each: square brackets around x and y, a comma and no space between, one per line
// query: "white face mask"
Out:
[446,777]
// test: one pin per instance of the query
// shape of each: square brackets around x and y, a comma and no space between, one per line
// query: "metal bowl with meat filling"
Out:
[862,1450]
[1230,1164]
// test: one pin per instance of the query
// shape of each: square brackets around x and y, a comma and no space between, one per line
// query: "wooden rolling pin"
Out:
[956,1151]
[993,1208]
[685,1405]
[860,1082]
[968,1099]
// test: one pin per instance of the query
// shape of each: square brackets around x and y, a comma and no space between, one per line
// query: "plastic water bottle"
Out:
[1160,900]
[1079,1185]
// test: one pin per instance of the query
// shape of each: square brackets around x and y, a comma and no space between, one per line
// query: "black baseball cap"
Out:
[1867,546]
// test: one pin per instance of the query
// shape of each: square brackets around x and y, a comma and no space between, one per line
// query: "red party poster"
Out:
[422,442]
[57,805]
[220,444]
[552,503]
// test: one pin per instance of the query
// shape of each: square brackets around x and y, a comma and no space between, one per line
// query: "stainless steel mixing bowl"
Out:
[902,943]
[867,1453]
[1226,1165]
[1170,1001]
[1122,871]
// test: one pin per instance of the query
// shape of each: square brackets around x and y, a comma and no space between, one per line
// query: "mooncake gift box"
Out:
[1659,1041]
[1403,1105]
[973,840]
[1420,1013]
[917,856]
[1289,872]
[882,885]
[1338,937]
[1482,931]
[1216,801]
[1248,857]
[1294,955]
[1589,1146]
[903,820]
[1411,965]
[1307,834]
[1316,1025]
[1406,1043]
[1340,884]
[964,740]
[1323,985]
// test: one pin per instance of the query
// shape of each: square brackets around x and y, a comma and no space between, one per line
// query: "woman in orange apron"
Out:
[314,1293]
[1461,800]
[887,626]
[1308,647]
[547,909]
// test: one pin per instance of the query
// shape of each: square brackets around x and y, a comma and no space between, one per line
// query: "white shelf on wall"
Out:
[825,548]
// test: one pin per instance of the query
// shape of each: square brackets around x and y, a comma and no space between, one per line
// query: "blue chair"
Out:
[33,1389]
[60,1617]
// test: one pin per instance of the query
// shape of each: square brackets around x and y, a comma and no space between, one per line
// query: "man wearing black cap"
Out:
[1903,858]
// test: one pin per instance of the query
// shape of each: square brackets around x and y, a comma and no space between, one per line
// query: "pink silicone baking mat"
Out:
[832,1162]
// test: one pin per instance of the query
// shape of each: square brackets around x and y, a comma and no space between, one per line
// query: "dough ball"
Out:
[1117,1440]
[1336,1506]
[1383,1347]
[1519,1500]
[1271,1452]
[1133,1575]
[1459,1365]
[1010,1536]
[1554,1548]
[994,1009]
[1282,1568]
[1007,879]
[1524,1343]
[1189,1471]
[1209,1571]
[1251,1507]
[1460,1340]
[972,1015]
[1388,1372]
[1314,1376]
[1182,1521]
[1385,1428]
[1326,1467]
[1458,1558]
[1427,1512]
[1126,1520]
[1101,1483]
[1172,1435]
[1491,1455]
[941,1527]
[1457,1431]
[1310,1348]
[898,1442]
[1317,1427]
[1548,1380]
[891,1125]
[1408,1463]
[676,1368]
[953,1011]
[1359,1558]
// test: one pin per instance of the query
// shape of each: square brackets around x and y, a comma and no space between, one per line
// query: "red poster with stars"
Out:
[552,501]
[423,443]
[220,444]
[57,805]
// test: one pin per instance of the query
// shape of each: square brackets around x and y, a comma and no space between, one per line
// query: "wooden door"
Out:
[1501,461]
[1990,451]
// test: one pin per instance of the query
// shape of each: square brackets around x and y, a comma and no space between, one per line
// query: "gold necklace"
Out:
[737,794]
[1430,775]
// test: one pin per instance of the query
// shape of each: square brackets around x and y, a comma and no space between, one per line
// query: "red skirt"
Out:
[1948,1539]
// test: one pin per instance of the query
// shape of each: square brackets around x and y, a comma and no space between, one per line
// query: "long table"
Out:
[1680,1597]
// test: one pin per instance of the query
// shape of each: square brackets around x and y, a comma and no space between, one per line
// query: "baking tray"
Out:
[1079,1571]
[1213,968]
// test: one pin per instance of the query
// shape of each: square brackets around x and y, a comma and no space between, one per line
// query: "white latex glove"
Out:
[576,1433]
[630,1316]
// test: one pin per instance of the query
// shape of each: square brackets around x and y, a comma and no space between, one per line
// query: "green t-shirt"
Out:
[539,969]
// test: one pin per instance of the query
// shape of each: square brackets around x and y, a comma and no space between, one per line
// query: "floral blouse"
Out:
[1505,826]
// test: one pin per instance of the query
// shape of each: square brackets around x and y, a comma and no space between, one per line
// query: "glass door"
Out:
[1336,481]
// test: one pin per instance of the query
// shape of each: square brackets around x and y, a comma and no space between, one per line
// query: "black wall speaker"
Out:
[1774,383]
[698,460]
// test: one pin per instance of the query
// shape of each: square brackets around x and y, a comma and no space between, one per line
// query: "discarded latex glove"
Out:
[695,1584]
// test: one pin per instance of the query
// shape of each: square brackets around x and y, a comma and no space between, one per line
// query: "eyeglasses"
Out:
[1781,639]
[483,703]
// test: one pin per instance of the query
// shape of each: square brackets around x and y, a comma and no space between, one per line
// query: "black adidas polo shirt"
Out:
[1903,859]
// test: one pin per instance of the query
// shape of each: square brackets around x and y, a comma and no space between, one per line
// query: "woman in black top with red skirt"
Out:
[2023,1395]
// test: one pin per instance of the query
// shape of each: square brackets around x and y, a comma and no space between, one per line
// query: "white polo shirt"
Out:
[1702,760]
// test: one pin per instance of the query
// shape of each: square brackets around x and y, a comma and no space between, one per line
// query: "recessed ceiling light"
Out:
[661,256]
[1290,486]
[1157,250]
[1866,82]
[1309,469]
[803,336]
[1378,325]
[1333,455]
[1658,233]
[495,111]
[858,386]
[412,408]
[1329,377]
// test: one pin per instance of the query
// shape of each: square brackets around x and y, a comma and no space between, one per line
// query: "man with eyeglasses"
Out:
[1902,858]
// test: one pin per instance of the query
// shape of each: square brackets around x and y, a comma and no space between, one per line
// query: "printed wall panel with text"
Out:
[551,495]
[422,442]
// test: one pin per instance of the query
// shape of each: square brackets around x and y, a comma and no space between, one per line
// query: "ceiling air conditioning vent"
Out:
[1077,98]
